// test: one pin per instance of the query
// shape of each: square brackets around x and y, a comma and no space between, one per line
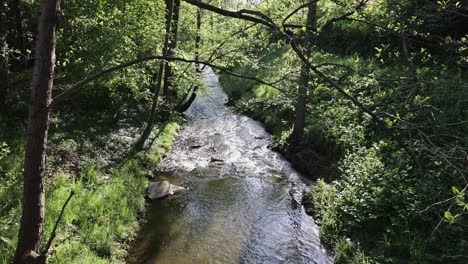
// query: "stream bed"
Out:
[242,203]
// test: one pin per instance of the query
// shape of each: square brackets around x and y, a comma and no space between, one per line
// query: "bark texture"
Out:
[4,67]
[159,80]
[174,28]
[3,82]
[192,95]
[32,219]
[301,103]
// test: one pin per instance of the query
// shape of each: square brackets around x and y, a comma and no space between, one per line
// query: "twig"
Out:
[295,11]
[411,68]
[210,59]
[455,256]
[358,72]
[442,219]
[438,203]
[242,14]
[53,234]
[65,94]
[346,15]
[269,23]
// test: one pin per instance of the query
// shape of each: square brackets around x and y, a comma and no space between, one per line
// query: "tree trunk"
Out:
[188,100]
[168,73]
[198,40]
[157,87]
[301,103]
[4,68]
[3,81]
[32,219]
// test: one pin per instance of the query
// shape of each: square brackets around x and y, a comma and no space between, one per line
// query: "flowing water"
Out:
[241,202]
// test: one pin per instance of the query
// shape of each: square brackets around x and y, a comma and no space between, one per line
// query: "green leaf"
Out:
[451,218]
[448,216]
[7,241]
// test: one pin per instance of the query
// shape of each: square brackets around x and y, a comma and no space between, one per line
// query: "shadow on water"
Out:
[238,206]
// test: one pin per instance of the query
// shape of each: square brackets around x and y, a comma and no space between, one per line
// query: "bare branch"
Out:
[294,12]
[78,86]
[333,84]
[438,203]
[54,230]
[411,68]
[293,45]
[299,26]
[242,14]
[210,59]
[360,73]
[360,4]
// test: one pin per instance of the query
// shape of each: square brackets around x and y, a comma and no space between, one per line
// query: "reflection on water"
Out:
[237,207]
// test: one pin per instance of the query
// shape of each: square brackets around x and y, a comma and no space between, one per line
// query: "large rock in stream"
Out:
[162,189]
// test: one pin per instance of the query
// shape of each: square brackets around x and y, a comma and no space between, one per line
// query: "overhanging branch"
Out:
[283,23]
[79,85]
[360,4]
[250,15]
[268,22]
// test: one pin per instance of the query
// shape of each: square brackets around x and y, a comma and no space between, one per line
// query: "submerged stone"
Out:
[162,189]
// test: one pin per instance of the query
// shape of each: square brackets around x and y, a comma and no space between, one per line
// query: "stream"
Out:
[242,203]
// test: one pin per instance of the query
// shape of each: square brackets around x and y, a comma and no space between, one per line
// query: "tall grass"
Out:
[100,220]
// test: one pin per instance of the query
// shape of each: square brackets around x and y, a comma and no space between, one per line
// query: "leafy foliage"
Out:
[399,193]
[395,192]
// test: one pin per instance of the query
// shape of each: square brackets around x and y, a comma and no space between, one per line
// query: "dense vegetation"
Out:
[92,134]
[381,87]
[386,193]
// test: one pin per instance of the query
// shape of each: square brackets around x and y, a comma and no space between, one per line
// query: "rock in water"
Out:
[162,189]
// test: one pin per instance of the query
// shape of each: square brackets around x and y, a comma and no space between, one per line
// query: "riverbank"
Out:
[102,217]
[372,201]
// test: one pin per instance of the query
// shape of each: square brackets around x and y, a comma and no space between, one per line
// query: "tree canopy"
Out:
[367,97]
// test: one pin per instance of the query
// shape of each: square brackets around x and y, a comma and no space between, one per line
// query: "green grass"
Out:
[166,134]
[101,218]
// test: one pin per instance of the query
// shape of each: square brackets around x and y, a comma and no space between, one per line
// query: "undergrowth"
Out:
[375,207]
[101,218]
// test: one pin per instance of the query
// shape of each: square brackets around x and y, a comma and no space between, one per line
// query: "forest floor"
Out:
[88,153]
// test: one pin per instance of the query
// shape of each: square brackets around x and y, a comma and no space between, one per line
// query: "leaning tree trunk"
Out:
[198,40]
[301,103]
[32,218]
[192,95]
[168,73]
[157,87]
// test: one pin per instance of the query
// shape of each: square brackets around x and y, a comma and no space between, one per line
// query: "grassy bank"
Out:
[102,218]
